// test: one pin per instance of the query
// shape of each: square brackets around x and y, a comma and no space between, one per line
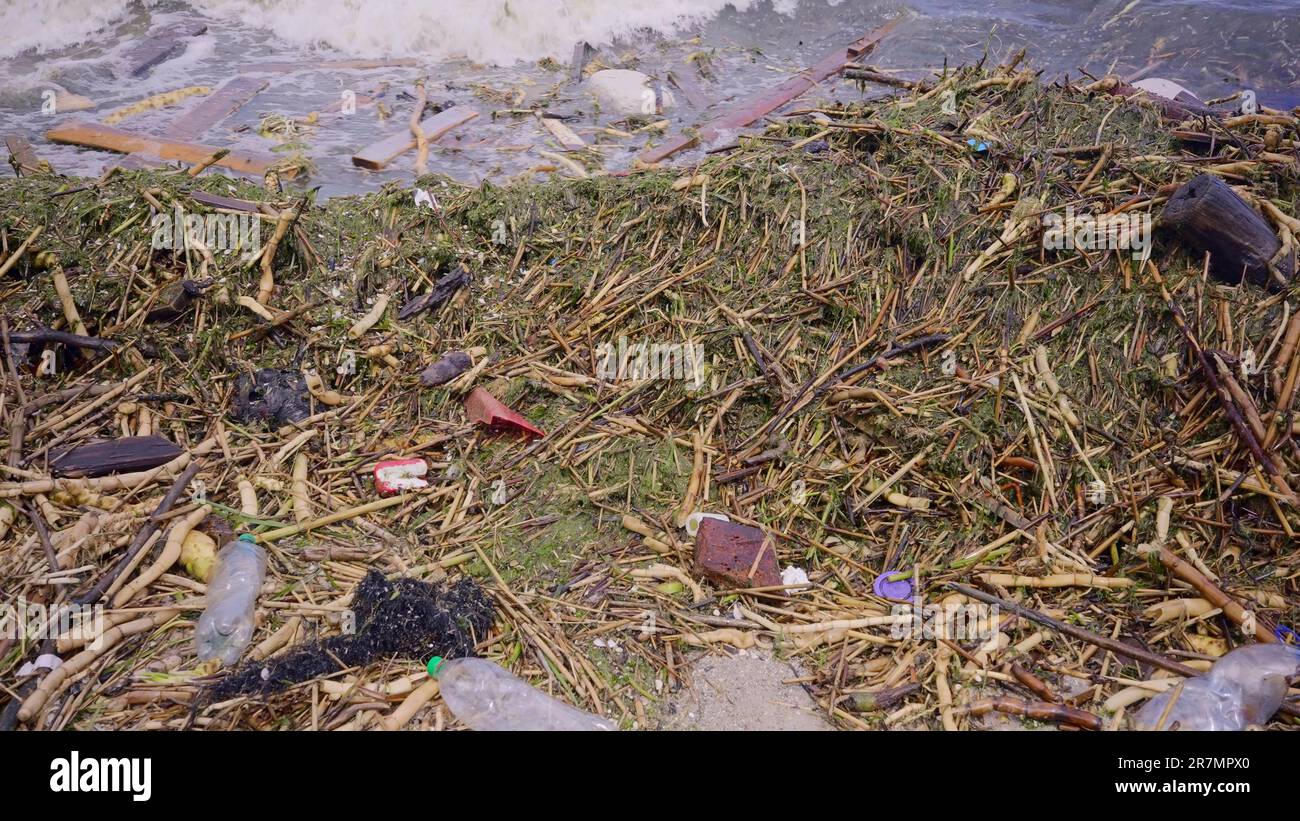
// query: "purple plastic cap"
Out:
[900,590]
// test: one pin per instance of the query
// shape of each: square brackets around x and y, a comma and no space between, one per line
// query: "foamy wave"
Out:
[46,25]
[486,31]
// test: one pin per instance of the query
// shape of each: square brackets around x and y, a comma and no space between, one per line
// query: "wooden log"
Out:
[125,455]
[759,106]
[159,47]
[377,156]
[94,135]
[228,99]
[1208,216]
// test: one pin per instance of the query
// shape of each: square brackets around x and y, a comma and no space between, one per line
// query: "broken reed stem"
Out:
[56,678]
[66,300]
[410,705]
[1239,615]
[170,553]
[301,501]
[421,141]
[142,536]
[1210,373]
[266,286]
[333,518]
[20,250]
[207,162]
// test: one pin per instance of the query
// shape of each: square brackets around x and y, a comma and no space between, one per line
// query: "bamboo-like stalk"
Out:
[170,553]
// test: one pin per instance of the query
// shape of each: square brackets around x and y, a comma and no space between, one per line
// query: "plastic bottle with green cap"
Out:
[1243,688]
[486,697]
[226,626]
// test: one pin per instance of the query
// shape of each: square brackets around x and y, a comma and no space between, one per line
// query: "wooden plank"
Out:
[95,135]
[377,156]
[328,65]
[336,107]
[66,102]
[562,133]
[228,99]
[228,203]
[23,155]
[684,83]
[759,106]
[134,162]
[159,47]
[582,54]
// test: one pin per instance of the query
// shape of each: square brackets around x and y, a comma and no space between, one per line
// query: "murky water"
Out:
[490,54]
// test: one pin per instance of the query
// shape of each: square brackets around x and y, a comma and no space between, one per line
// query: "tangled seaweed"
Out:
[406,619]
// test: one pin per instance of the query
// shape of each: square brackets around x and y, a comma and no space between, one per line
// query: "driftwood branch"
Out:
[45,335]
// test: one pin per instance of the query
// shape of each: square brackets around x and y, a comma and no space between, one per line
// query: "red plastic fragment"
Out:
[484,408]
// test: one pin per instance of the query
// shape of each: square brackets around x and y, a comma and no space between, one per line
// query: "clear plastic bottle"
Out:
[486,697]
[226,626]
[1243,687]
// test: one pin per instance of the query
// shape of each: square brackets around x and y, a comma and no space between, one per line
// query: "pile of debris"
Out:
[979,430]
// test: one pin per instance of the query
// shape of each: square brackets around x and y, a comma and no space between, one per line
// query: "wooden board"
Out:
[684,83]
[328,65]
[65,102]
[563,134]
[22,153]
[228,203]
[134,162]
[159,47]
[582,54]
[377,156]
[228,99]
[95,135]
[759,106]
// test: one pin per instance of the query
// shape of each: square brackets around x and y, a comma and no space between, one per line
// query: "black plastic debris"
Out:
[271,394]
[445,369]
[174,300]
[403,619]
[442,291]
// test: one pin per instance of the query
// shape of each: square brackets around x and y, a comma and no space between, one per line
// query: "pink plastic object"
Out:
[397,475]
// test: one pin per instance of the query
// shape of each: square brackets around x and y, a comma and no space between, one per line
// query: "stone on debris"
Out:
[726,553]
[625,92]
